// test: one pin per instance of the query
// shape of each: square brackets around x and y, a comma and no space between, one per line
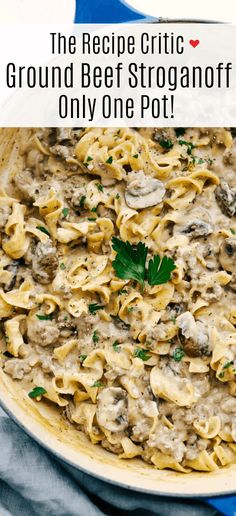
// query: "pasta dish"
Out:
[118,287]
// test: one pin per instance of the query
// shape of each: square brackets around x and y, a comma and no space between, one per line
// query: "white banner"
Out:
[136,75]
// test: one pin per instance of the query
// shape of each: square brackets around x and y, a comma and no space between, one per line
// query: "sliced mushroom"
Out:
[112,411]
[197,228]
[226,199]
[143,191]
[193,335]
[227,256]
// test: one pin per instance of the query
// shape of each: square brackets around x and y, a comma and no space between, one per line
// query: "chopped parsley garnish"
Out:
[109,160]
[173,319]
[116,346]
[130,309]
[92,219]
[233,231]
[228,364]
[65,212]
[179,131]
[45,317]
[165,143]
[122,291]
[117,196]
[37,391]
[62,266]
[142,353]
[89,158]
[94,210]
[201,161]
[83,358]
[178,354]
[95,337]
[135,156]
[94,307]
[130,263]
[99,187]
[190,146]
[98,383]
[221,375]
[44,230]
[82,201]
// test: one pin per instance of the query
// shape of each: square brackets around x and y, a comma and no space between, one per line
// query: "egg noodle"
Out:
[144,367]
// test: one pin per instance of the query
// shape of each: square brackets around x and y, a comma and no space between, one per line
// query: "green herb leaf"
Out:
[94,307]
[221,375]
[130,260]
[89,158]
[99,187]
[83,358]
[109,160]
[178,354]
[45,317]
[135,156]
[94,210]
[233,231]
[142,353]
[98,383]
[37,391]
[165,143]
[190,146]
[122,291]
[65,212]
[82,201]
[62,266]
[95,337]
[228,364]
[201,161]
[116,346]
[179,131]
[117,196]
[159,270]
[92,219]
[43,229]
[173,319]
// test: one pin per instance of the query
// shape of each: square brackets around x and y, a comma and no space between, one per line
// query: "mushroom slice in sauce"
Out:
[226,199]
[197,228]
[227,256]
[193,335]
[143,191]
[112,411]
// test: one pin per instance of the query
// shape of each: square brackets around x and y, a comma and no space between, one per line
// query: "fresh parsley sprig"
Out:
[130,260]
[130,263]
[159,270]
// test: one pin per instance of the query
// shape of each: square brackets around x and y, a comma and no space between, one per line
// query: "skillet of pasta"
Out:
[118,285]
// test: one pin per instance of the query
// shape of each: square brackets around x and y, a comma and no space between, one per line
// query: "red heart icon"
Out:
[194,42]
